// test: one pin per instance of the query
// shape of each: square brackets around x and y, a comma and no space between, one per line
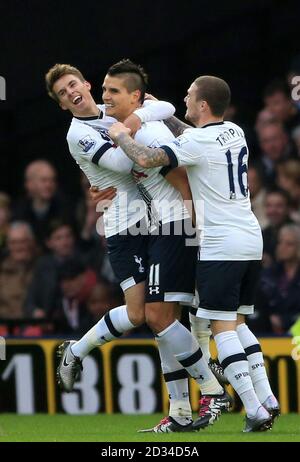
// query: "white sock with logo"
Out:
[186,350]
[176,379]
[111,326]
[234,362]
[256,362]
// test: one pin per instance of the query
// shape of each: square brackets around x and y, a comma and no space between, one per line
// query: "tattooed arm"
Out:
[176,126]
[143,156]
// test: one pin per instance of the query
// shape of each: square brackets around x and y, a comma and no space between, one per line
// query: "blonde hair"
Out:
[295,230]
[58,71]
[290,169]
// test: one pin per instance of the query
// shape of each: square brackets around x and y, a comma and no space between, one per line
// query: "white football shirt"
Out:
[93,150]
[164,202]
[106,166]
[216,157]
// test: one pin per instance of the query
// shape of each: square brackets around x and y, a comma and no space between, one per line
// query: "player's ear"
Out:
[204,105]
[136,95]
[87,84]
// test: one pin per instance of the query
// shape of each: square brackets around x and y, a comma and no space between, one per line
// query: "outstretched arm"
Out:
[176,126]
[143,156]
[150,111]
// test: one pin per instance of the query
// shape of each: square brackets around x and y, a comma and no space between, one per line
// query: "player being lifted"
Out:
[215,154]
[132,258]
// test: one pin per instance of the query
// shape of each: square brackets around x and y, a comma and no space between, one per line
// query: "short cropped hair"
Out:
[135,78]
[290,168]
[58,71]
[55,225]
[295,229]
[280,192]
[215,92]
[277,86]
[70,269]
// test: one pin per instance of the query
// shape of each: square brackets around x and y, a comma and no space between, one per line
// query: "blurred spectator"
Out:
[277,212]
[234,113]
[81,206]
[231,112]
[274,147]
[296,139]
[264,116]
[42,292]
[279,290]
[43,202]
[289,181]
[277,98]
[294,71]
[16,270]
[91,242]
[70,313]
[5,214]
[257,195]
[103,297]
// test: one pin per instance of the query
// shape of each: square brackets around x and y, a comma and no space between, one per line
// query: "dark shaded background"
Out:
[247,43]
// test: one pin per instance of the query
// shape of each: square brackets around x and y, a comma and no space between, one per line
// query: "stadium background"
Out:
[247,43]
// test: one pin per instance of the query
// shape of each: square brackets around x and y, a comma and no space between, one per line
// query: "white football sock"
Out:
[176,379]
[200,329]
[256,362]
[186,350]
[111,326]
[234,362]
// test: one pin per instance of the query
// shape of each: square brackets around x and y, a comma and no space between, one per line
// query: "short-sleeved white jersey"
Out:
[163,201]
[216,157]
[106,166]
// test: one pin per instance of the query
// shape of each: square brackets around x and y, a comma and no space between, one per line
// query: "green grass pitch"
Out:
[123,428]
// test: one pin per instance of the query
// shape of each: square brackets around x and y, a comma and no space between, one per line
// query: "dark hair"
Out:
[281,192]
[70,269]
[134,76]
[215,92]
[258,169]
[277,86]
[54,225]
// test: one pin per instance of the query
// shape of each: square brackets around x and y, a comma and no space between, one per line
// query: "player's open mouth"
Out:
[109,106]
[77,99]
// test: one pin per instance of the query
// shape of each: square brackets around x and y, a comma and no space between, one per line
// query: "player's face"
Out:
[119,102]
[74,95]
[192,105]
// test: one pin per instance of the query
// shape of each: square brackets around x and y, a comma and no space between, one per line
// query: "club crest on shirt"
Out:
[180,141]
[86,143]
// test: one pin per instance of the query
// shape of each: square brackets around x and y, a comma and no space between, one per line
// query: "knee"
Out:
[158,321]
[136,316]
[151,320]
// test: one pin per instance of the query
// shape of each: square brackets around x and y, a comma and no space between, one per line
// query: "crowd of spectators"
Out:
[55,276]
